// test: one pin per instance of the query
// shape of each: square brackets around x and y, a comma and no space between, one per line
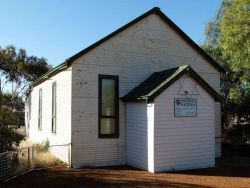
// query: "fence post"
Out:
[28,156]
[32,157]
[69,155]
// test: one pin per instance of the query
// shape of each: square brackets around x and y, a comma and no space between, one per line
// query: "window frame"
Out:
[40,109]
[53,101]
[116,116]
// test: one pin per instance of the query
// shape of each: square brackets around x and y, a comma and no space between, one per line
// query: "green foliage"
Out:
[16,65]
[10,118]
[12,101]
[235,35]
[228,42]
[9,138]
[9,122]
[16,69]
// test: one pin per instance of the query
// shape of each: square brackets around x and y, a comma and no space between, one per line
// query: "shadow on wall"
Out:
[137,135]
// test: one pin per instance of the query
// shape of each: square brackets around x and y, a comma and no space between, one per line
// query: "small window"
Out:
[53,128]
[108,106]
[40,110]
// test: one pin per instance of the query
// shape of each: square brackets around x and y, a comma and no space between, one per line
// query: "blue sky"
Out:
[57,29]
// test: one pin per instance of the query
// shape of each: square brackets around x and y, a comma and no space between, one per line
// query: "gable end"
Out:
[159,81]
[156,11]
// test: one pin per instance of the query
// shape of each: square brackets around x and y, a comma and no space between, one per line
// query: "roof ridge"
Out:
[178,71]
[179,67]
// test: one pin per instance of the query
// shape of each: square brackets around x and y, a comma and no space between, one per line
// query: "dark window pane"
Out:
[108,126]
[108,106]
[54,107]
[54,125]
[40,110]
[54,100]
[108,97]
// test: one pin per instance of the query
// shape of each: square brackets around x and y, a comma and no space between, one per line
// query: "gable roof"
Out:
[155,10]
[159,81]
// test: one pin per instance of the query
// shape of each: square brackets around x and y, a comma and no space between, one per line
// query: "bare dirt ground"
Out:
[130,177]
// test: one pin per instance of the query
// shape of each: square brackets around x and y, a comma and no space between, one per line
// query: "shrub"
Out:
[9,139]
[42,147]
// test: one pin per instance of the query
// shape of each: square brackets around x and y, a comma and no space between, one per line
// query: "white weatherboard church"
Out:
[146,95]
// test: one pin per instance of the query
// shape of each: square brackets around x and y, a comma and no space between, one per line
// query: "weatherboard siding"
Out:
[63,113]
[140,135]
[217,129]
[148,46]
[184,142]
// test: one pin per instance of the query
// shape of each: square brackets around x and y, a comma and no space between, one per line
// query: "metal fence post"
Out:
[69,155]
[32,157]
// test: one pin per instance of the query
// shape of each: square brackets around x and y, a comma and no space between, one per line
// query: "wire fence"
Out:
[14,163]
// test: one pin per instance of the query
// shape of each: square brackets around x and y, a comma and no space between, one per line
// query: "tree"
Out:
[17,70]
[228,42]
[9,137]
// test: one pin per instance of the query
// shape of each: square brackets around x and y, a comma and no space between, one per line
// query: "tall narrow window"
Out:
[29,106]
[53,128]
[40,110]
[108,106]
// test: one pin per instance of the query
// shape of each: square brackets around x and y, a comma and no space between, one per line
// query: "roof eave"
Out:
[164,85]
[200,80]
[157,11]
[50,73]
[190,41]
[79,54]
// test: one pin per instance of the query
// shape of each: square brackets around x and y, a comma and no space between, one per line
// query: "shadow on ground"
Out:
[223,171]
[93,177]
[125,176]
[231,166]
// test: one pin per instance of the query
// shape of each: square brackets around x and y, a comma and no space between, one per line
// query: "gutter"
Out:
[49,74]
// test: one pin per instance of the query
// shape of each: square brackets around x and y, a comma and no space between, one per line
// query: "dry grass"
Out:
[43,157]
[26,143]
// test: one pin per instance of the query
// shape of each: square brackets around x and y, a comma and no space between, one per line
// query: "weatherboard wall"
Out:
[217,129]
[184,142]
[140,135]
[146,47]
[63,112]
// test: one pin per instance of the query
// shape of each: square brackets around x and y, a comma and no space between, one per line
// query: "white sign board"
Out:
[185,107]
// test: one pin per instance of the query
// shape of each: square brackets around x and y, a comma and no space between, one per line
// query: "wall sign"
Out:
[185,107]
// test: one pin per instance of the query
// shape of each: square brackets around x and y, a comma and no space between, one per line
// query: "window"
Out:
[53,128]
[108,106]
[40,110]
[29,107]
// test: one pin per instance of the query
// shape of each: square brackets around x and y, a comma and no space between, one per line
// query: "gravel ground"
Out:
[130,177]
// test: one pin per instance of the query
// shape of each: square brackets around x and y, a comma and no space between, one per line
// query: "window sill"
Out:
[103,136]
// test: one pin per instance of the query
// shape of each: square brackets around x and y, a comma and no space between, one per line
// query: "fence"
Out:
[13,163]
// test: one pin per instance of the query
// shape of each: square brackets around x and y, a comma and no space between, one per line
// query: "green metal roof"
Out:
[159,81]
[50,73]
